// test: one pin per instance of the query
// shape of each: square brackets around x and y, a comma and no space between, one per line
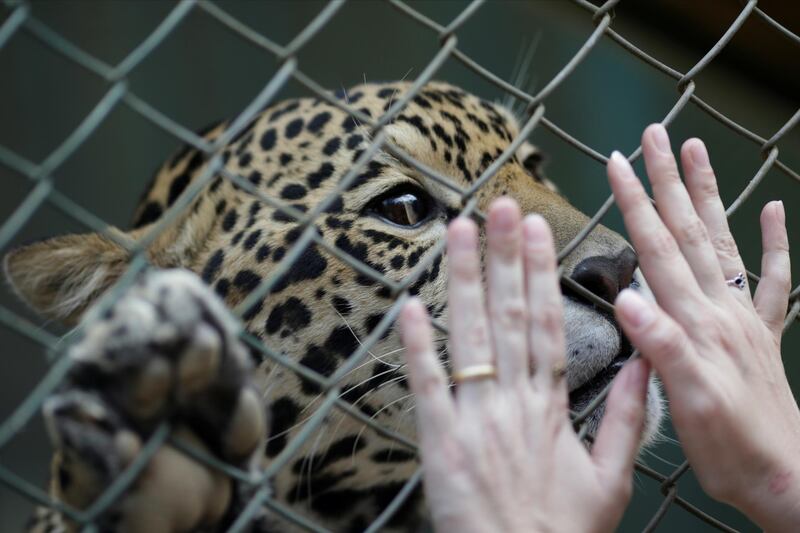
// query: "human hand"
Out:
[716,348]
[501,454]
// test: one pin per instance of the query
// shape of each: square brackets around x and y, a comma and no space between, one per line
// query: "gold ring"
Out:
[474,373]
[559,370]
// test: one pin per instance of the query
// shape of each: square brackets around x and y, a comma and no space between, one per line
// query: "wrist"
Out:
[774,503]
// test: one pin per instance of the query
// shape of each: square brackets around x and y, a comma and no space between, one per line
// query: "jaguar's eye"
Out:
[404,205]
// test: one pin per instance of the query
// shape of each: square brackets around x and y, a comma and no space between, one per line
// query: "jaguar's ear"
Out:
[533,160]
[62,276]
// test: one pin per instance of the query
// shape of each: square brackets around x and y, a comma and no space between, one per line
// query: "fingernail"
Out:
[535,229]
[634,309]
[412,309]
[660,138]
[621,163]
[699,154]
[503,216]
[780,211]
[462,233]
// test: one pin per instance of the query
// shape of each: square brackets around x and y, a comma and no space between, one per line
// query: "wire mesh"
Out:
[21,18]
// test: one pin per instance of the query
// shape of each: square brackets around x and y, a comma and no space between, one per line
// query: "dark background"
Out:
[202,73]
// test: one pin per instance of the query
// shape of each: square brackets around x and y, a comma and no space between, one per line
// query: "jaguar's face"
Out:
[401,216]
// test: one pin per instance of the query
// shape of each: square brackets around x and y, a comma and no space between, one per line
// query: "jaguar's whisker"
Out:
[379,411]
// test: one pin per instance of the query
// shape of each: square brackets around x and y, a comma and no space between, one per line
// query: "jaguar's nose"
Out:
[606,276]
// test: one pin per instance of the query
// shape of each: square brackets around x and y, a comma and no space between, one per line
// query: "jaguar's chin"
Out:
[654,413]
[582,396]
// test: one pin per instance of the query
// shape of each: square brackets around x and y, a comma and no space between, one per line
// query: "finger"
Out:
[469,329]
[661,341]
[546,333]
[772,294]
[702,186]
[678,214]
[660,259]
[507,307]
[434,404]
[620,432]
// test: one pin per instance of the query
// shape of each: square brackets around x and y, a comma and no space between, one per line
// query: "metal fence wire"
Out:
[21,18]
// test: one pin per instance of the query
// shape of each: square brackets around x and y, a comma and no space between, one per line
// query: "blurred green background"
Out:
[202,73]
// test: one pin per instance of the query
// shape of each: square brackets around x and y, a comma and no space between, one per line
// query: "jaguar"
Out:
[169,354]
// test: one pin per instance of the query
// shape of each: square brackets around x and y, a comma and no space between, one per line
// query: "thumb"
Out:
[661,341]
[620,433]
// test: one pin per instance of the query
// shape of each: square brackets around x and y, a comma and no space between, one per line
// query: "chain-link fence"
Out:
[20,18]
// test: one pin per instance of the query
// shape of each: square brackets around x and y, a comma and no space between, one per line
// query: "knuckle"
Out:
[660,245]
[706,408]
[725,245]
[665,340]
[465,270]
[504,244]
[427,385]
[511,314]
[478,334]
[539,258]
[782,246]
[637,196]
[778,246]
[780,277]
[783,276]
[704,326]
[548,316]
[667,171]
[496,425]
[693,232]
[708,319]
[707,185]
[777,268]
